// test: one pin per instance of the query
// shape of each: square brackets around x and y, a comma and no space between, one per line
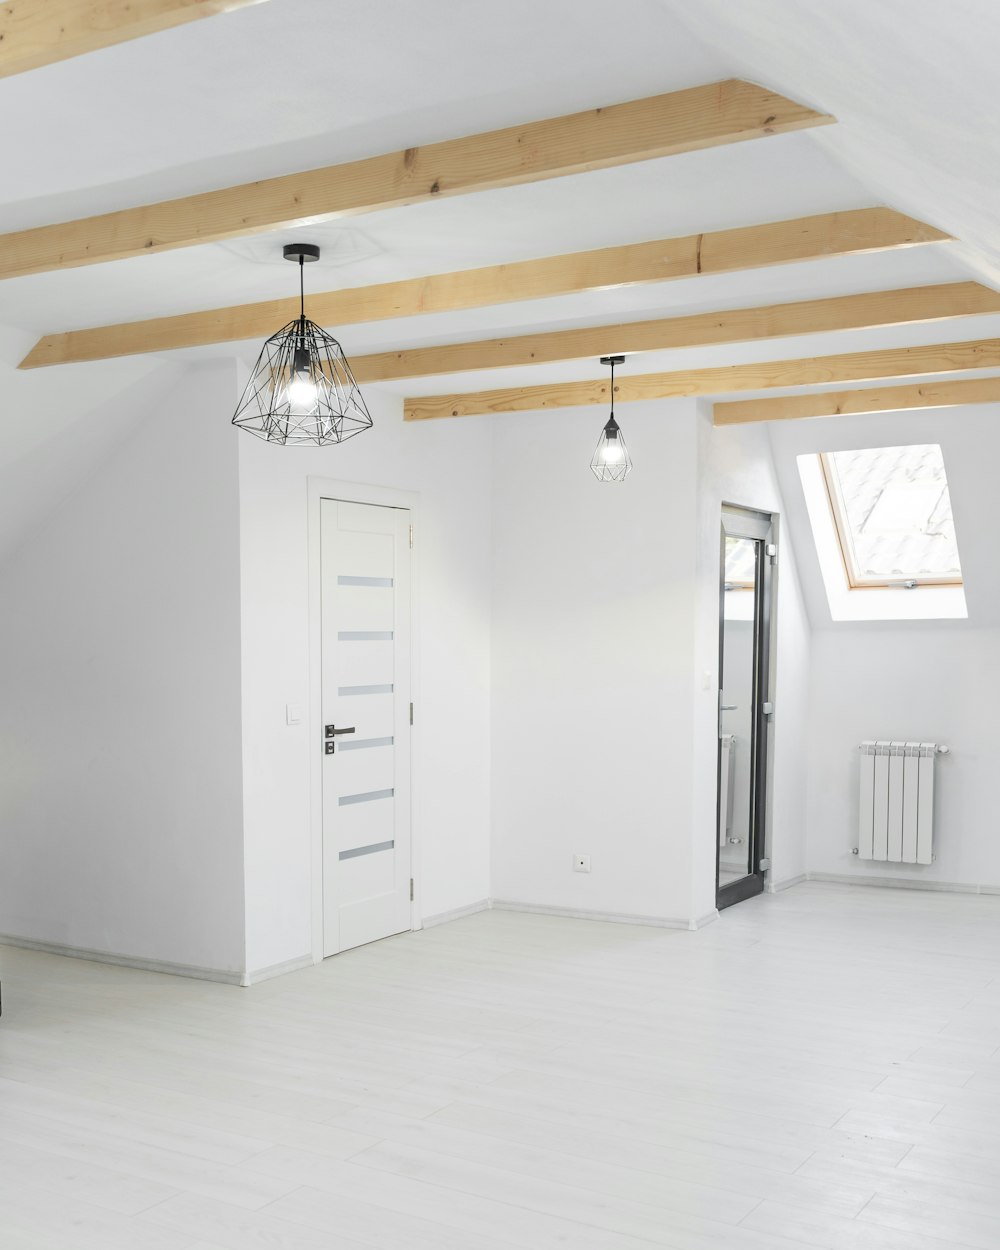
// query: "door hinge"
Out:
[411,713]
[411,889]
[765,864]
[411,535]
[768,709]
[771,549]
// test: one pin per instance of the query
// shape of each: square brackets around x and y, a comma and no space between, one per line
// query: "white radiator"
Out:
[896,802]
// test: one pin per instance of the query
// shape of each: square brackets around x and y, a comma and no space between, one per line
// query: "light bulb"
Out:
[611,461]
[301,391]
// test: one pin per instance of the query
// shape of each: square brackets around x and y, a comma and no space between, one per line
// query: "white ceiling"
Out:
[912,83]
[293,84]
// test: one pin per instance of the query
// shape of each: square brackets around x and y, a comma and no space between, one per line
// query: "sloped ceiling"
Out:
[293,84]
[914,88]
[54,435]
[969,442]
[912,83]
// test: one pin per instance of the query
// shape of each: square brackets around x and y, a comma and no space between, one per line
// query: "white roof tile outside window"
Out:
[894,514]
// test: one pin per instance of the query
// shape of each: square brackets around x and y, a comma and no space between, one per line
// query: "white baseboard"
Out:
[613,917]
[442,917]
[227,977]
[775,887]
[276,970]
[222,975]
[904,883]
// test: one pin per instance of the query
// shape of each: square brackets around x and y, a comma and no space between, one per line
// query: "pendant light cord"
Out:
[302,287]
[612,388]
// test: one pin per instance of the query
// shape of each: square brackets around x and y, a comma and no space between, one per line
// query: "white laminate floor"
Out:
[820,1068]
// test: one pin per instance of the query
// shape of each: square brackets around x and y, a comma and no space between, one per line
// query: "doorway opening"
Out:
[748,553]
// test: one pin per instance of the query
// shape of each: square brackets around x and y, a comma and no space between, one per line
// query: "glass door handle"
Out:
[729,707]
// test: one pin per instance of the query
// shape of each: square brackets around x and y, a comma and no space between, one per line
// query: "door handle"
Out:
[330,733]
[729,707]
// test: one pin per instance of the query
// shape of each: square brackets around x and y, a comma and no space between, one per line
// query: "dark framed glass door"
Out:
[745,617]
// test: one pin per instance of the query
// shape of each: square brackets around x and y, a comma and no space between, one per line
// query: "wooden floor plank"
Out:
[517,1080]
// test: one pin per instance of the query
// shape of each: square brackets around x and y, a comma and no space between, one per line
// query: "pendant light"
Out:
[302,390]
[611,462]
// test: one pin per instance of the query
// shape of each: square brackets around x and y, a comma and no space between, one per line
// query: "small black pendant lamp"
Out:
[611,462]
[302,389]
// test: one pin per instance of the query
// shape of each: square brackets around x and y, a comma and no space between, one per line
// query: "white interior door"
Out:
[365,561]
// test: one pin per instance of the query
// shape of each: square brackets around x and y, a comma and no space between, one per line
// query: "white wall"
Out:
[448,464]
[566,692]
[57,426]
[918,682]
[930,681]
[120,801]
[605,662]
[592,645]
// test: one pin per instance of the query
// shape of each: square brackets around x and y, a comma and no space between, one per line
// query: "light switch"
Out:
[293,714]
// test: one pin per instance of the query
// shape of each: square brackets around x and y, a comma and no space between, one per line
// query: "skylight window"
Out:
[885,538]
[893,516]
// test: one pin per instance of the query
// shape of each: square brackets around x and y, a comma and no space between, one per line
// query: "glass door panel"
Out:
[744,645]
[736,709]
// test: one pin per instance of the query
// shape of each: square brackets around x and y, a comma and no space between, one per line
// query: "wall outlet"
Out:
[581,863]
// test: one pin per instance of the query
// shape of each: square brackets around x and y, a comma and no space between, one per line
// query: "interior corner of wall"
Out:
[704,410]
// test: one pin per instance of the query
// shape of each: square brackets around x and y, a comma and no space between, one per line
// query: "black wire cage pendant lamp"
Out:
[302,390]
[611,462]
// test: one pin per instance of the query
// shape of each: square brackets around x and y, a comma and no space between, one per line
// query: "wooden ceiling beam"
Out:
[34,33]
[681,121]
[722,251]
[861,402]
[737,325]
[728,379]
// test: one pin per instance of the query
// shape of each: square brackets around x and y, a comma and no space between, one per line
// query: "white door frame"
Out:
[320,488]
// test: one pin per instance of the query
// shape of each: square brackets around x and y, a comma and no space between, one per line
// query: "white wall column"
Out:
[120,795]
